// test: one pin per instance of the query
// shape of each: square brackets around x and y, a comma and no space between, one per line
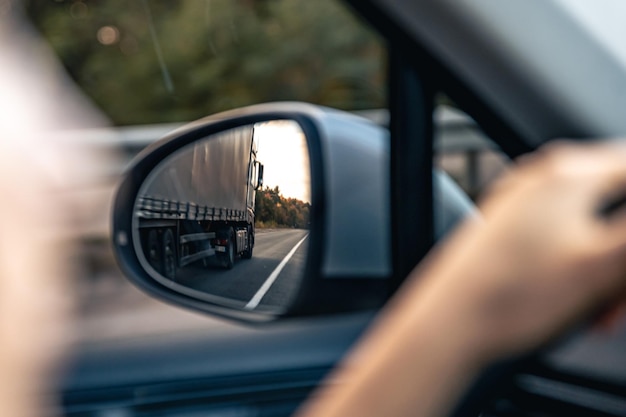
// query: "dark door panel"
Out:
[244,371]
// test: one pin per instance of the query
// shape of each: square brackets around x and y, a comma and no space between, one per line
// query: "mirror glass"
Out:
[226,218]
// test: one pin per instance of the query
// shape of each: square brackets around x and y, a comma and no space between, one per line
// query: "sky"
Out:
[282,149]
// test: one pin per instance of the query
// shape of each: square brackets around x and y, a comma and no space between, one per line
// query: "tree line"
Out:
[156,61]
[275,211]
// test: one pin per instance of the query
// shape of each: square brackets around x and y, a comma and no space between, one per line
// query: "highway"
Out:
[268,279]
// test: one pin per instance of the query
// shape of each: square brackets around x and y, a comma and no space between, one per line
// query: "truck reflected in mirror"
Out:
[225,219]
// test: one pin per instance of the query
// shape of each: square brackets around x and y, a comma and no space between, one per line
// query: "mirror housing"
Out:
[348,264]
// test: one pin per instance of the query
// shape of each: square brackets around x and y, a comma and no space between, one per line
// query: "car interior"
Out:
[398,150]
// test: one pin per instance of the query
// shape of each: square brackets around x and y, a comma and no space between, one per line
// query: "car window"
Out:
[466,162]
[464,151]
[149,66]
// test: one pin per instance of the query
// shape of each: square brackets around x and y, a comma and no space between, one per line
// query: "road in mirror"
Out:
[226,219]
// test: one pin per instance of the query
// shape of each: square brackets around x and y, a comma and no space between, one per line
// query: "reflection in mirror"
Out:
[225,219]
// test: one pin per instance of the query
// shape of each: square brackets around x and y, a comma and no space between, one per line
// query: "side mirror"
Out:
[191,228]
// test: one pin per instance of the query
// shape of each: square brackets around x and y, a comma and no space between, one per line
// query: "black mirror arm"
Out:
[411,126]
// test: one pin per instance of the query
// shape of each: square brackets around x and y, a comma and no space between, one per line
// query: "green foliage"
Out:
[216,55]
[274,210]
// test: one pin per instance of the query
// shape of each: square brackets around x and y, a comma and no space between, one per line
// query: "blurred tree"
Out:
[274,210]
[162,61]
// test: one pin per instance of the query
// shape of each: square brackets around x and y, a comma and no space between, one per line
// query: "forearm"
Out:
[417,360]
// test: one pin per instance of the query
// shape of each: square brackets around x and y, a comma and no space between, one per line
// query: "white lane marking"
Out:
[254,302]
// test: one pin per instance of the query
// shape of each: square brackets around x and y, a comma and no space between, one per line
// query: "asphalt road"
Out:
[268,279]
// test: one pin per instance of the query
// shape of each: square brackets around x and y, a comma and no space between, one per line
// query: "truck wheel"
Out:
[153,250]
[169,255]
[247,254]
[228,258]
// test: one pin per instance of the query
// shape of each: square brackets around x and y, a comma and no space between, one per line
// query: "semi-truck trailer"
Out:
[200,204]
